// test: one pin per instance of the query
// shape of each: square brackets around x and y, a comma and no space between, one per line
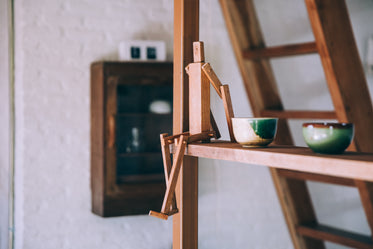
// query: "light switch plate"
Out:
[139,50]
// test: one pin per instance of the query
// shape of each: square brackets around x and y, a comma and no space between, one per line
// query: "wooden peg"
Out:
[201,136]
[210,74]
[171,139]
[228,109]
[162,215]
[198,52]
[158,215]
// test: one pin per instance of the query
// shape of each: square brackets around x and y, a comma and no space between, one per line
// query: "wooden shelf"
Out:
[353,165]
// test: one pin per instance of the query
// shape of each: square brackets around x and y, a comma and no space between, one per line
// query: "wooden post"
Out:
[199,93]
[186,31]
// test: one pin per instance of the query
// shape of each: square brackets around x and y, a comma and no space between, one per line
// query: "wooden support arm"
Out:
[210,74]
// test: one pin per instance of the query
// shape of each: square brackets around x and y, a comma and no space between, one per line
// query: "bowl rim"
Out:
[328,125]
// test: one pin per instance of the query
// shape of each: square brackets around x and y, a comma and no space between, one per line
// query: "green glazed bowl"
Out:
[328,138]
[254,132]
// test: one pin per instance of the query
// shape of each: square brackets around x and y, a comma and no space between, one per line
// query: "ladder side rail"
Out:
[244,31]
[345,77]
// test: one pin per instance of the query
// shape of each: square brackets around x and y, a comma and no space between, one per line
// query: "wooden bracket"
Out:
[169,206]
[214,80]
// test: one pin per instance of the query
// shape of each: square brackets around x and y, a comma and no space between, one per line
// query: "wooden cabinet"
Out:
[130,106]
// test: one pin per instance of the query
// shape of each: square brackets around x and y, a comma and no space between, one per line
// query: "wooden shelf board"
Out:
[352,165]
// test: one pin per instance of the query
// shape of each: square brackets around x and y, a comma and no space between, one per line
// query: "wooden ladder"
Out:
[335,44]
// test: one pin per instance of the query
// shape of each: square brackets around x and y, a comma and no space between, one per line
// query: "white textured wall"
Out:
[4,124]
[55,43]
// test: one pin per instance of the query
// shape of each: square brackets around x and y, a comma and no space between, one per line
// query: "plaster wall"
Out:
[55,43]
[4,124]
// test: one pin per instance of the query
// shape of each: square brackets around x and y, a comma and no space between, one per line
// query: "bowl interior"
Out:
[328,125]
[328,138]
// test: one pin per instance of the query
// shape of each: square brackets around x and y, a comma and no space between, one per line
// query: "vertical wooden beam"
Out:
[244,30]
[186,31]
[346,79]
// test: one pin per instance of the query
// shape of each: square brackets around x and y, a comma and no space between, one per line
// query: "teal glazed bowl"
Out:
[328,138]
[254,132]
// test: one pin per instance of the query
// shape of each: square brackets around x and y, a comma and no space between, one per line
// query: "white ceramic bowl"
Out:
[253,132]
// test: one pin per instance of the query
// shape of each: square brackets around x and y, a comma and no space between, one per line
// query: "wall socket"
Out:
[139,50]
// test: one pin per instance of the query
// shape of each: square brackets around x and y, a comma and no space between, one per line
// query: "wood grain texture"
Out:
[345,77]
[228,108]
[280,51]
[210,74]
[166,156]
[317,178]
[338,236]
[110,195]
[245,34]
[295,196]
[186,31]
[111,84]
[97,139]
[174,174]
[198,52]
[199,99]
[351,165]
[366,197]
[158,215]
[286,114]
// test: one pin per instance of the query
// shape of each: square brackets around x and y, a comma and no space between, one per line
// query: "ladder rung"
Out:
[316,177]
[281,51]
[299,114]
[327,233]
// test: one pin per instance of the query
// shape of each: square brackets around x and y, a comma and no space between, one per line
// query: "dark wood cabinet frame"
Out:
[111,197]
